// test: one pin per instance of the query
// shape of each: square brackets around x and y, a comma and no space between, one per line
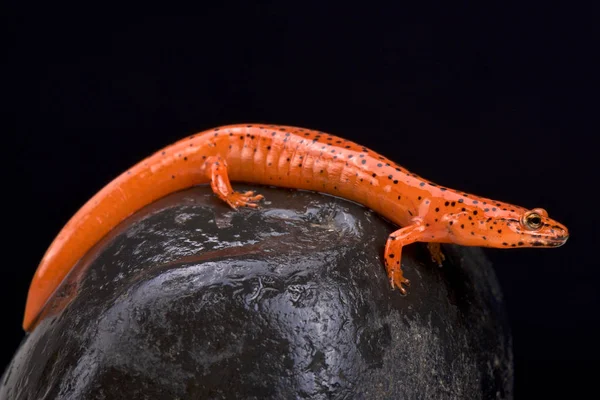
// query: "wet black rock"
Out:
[189,299]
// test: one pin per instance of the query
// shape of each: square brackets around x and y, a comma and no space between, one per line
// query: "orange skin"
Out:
[298,158]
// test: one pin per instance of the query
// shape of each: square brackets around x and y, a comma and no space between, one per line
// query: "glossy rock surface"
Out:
[190,299]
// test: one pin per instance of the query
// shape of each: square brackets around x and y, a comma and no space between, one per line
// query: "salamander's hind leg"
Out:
[393,253]
[216,168]
[436,253]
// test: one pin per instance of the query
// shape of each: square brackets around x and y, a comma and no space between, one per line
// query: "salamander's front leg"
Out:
[393,252]
[216,168]
[436,253]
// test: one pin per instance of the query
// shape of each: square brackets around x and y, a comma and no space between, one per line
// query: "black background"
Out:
[492,101]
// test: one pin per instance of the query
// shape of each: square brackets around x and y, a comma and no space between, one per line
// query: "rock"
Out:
[189,299]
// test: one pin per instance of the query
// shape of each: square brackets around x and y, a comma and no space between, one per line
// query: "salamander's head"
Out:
[505,227]
[534,228]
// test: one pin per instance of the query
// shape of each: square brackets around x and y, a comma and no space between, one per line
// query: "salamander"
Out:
[294,157]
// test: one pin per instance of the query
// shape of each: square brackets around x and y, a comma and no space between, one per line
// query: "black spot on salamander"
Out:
[172,176]
[392,255]
[520,243]
[268,147]
[451,222]
[349,155]
[346,147]
[513,245]
[463,209]
[475,202]
[494,208]
[399,197]
[470,218]
[499,230]
[437,209]
[484,238]
[379,165]
[462,226]
[430,184]
[242,137]
[274,133]
[443,189]
[504,244]
[163,153]
[395,181]
[537,244]
[288,159]
[475,212]
[422,184]
[486,209]
[374,175]
[427,202]
[390,177]
[419,198]
[410,213]
[460,200]
[184,158]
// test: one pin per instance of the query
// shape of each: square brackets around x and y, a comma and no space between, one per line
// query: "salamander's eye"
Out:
[532,220]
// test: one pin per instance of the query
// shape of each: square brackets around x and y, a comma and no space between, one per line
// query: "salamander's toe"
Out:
[246,199]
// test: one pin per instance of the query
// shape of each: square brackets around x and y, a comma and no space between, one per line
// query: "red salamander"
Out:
[298,158]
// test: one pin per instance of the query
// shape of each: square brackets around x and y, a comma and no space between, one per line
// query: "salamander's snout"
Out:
[543,231]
